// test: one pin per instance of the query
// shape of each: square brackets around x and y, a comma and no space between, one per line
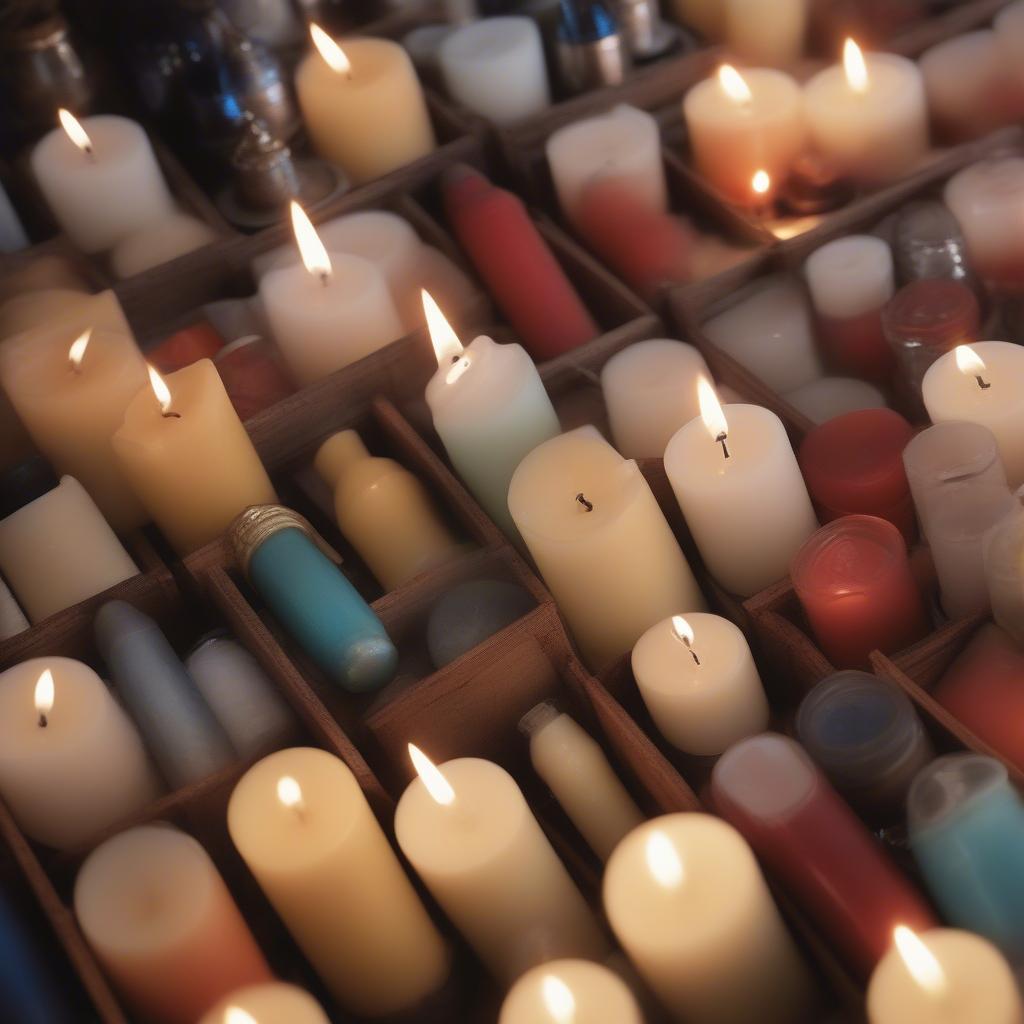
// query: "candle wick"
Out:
[90,155]
[43,722]
[170,415]
[588,505]
[982,383]
[722,438]
[325,277]
[693,653]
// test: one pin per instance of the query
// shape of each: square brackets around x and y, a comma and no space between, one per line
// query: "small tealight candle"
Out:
[272,1003]
[570,992]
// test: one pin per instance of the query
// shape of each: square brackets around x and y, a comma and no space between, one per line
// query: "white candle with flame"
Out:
[982,383]
[944,976]
[869,114]
[570,992]
[738,484]
[274,1002]
[329,312]
[100,180]
[467,830]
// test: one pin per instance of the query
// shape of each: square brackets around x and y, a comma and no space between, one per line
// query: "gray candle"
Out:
[182,735]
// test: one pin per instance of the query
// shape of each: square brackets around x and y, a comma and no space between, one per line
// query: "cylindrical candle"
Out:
[159,242]
[827,397]
[272,1003]
[1003,552]
[766,31]
[12,618]
[570,991]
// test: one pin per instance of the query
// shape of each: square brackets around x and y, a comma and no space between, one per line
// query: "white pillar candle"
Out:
[330,312]
[870,115]
[570,992]
[272,1003]
[850,276]
[303,826]
[100,180]
[689,905]
[468,832]
[12,234]
[943,976]
[59,550]
[12,618]
[982,383]
[827,397]
[766,31]
[490,410]
[738,484]
[624,143]
[739,124]
[1003,552]
[769,331]
[495,67]
[1009,29]
[601,543]
[164,240]
[71,761]
[698,680]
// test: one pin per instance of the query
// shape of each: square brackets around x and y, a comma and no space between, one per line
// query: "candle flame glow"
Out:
[236,1015]
[734,84]
[76,133]
[437,785]
[331,52]
[311,249]
[968,362]
[682,629]
[447,347]
[664,861]
[289,792]
[761,182]
[854,66]
[44,693]
[920,960]
[711,410]
[160,389]
[558,999]
[77,351]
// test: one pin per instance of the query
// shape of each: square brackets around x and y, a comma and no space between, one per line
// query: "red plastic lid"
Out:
[938,312]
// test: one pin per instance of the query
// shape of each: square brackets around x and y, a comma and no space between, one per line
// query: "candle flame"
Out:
[44,693]
[734,84]
[236,1015]
[447,347]
[437,785]
[711,410]
[664,861]
[331,52]
[968,362]
[77,351]
[75,132]
[160,389]
[920,960]
[311,249]
[682,629]
[558,999]
[761,182]
[854,66]
[289,792]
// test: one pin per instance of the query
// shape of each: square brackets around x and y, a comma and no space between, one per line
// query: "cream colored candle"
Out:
[12,618]
[71,762]
[303,826]
[770,32]
[601,543]
[698,680]
[71,391]
[706,16]
[739,124]
[164,926]
[943,976]
[467,830]
[272,1003]
[363,106]
[688,904]
[576,770]
[188,458]
[63,309]
[570,992]
[384,512]
[59,550]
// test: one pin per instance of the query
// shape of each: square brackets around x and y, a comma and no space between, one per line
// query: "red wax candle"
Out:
[519,269]
[856,345]
[769,789]
[185,347]
[856,588]
[984,688]
[647,248]
[853,465]
[253,376]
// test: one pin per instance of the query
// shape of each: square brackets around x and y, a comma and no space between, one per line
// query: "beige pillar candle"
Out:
[303,826]
[12,618]
[706,16]
[188,458]
[770,32]
[570,992]
[164,926]
[63,309]
[363,106]
[689,905]
[59,550]
[272,1003]
[576,770]
[71,391]
[467,830]
[384,512]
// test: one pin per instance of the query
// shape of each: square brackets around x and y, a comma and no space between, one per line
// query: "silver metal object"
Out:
[592,65]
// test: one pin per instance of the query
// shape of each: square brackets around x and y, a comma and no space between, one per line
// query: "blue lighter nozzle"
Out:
[586,21]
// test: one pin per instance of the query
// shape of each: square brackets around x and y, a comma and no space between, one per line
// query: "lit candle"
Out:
[601,542]
[188,458]
[329,312]
[100,179]
[468,832]
[272,1003]
[869,114]
[489,408]
[363,106]
[570,992]
[71,761]
[739,124]
[687,902]
[982,383]
[304,829]
[71,391]
[737,482]
[943,976]
[698,680]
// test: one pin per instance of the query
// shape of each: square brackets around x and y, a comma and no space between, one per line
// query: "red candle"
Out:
[854,582]
[769,789]
[253,376]
[856,345]
[519,269]
[853,465]
[185,347]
